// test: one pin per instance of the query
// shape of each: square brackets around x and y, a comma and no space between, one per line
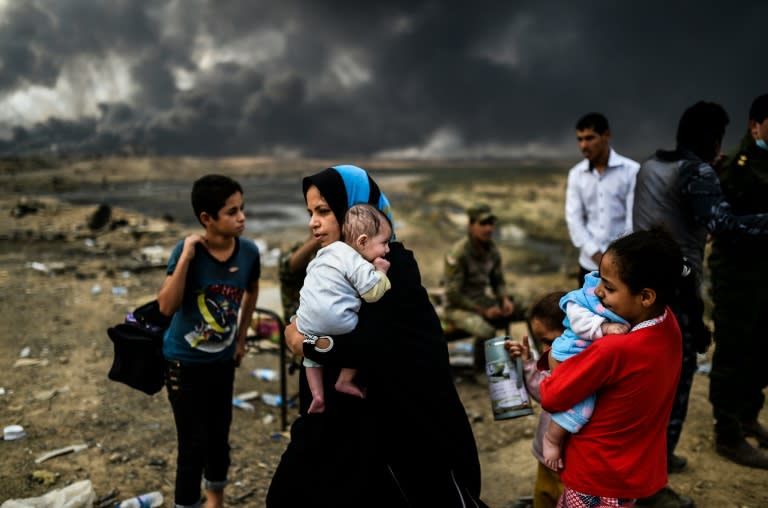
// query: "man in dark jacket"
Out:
[680,190]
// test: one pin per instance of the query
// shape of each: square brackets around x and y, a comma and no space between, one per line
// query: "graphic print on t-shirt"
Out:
[218,311]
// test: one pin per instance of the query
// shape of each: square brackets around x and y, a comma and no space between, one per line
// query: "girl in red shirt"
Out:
[620,455]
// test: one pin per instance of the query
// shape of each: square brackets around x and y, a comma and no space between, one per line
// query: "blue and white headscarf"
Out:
[346,185]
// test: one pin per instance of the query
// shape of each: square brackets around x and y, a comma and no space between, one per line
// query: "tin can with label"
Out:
[509,396]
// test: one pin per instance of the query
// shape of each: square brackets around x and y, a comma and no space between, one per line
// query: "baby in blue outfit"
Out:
[586,320]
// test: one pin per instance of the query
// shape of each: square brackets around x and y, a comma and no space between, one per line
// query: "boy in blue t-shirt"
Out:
[212,278]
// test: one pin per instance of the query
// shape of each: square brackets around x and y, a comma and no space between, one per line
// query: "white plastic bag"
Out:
[78,495]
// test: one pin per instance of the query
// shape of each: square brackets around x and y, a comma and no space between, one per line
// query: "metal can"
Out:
[506,382]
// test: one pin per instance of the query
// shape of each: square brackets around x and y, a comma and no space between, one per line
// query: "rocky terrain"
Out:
[67,273]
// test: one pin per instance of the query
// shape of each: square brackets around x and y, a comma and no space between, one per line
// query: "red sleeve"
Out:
[579,376]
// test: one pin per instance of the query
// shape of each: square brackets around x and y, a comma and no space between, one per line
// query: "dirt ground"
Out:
[56,294]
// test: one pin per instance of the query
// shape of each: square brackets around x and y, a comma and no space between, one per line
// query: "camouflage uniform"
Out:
[290,282]
[740,293]
[290,285]
[470,272]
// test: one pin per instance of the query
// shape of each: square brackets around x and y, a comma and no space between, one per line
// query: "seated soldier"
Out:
[475,298]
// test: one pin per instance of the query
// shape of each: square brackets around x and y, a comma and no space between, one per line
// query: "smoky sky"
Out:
[404,78]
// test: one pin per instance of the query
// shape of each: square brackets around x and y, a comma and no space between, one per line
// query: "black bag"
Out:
[138,344]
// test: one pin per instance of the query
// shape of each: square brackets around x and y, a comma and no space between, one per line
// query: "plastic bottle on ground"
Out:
[466,348]
[148,500]
[265,374]
[272,399]
[242,404]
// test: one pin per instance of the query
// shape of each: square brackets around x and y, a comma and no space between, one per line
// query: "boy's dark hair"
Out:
[649,259]
[210,192]
[594,121]
[759,109]
[700,127]
[547,310]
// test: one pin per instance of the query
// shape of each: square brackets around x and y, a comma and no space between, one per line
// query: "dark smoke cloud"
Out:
[343,78]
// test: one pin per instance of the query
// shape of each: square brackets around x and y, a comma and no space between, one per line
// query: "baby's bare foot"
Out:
[349,389]
[551,452]
[317,405]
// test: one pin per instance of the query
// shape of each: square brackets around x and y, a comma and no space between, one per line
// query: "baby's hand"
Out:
[614,328]
[381,264]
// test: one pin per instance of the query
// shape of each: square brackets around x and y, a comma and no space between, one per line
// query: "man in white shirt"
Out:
[599,195]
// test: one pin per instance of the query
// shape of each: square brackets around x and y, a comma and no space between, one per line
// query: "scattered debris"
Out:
[49,268]
[154,255]
[242,497]
[272,399]
[157,462]
[61,451]
[23,209]
[77,495]
[265,374]
[461,354]
[100,217]
[47,478]
[25,362]
[257,345]
[40,267]
[148,500]
[13,432]
[242,404]
[119,291]
[46,394]
[107,500]
[254,394]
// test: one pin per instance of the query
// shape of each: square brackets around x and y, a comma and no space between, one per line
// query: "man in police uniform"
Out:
[739,276]
[476,298]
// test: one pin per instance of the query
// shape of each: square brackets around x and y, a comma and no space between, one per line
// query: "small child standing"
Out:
[620,455]
[339,276]
[211,279]
[546,324]
[586,321]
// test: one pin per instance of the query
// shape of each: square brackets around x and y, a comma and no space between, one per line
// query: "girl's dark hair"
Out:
[649,259]
[547,310]
[210,192]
